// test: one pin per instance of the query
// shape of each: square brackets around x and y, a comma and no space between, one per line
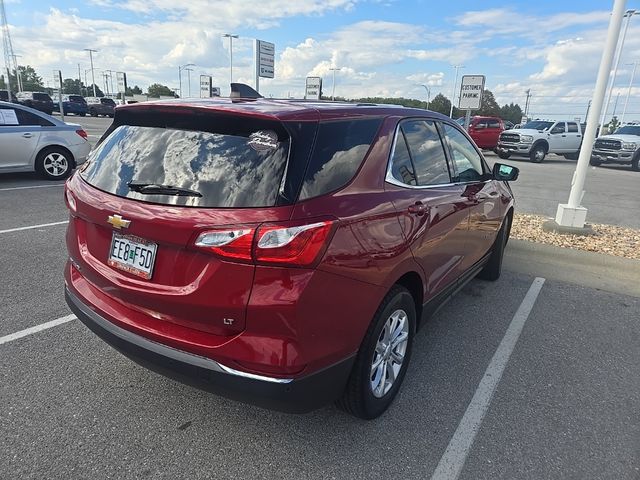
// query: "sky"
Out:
[384,48]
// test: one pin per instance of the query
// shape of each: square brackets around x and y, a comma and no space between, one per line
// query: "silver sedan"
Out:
[34,141]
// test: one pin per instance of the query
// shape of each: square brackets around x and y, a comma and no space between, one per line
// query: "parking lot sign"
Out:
[471,90]
[265,59]
[121,78]
[205,86]
[313,88]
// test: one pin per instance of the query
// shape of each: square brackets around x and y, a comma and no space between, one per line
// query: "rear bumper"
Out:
[617,156]
[292,395]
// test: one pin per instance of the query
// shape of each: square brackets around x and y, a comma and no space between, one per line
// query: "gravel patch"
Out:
[608,239]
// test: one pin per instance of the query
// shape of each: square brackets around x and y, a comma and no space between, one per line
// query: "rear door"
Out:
[19,136]
[430,208]
[481,197]
[139,247]
[574,137]
[493,131]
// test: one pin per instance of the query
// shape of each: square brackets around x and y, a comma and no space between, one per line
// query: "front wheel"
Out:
[54,163]
[537,154]
[595,162]
[503,156]
[635,163]
[383,357]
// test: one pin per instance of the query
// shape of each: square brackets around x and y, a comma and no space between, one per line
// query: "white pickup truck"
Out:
[537,138]
[622,147]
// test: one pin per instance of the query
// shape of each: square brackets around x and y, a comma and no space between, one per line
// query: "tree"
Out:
[613,125]
[136,90]
[73,86]
[440,104]
[488,107]
[31,81]
[511,112]
[157,90]
[89,91]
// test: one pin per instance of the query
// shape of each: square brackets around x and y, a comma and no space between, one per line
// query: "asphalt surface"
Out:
[567,405]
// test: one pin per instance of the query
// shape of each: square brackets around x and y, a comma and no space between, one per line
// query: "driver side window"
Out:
[558,128]
[467,160]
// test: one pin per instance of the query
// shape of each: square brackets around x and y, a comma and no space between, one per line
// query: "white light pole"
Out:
[333,88]
[626,102]
[453,93]
[93,80]
[428,94]
[628,14]
[230,36]
[571,215]
[189,70]
[180,69]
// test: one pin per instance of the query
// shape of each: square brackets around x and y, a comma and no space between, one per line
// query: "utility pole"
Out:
[453,93]
[230,36]
[9,57]
[586,115]
[626,102]
[333,87]
[18,74]
[79,81]
[571,217]
[93,79]
[526,105]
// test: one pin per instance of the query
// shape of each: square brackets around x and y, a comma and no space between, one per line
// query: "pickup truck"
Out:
[623,147]
[538,138]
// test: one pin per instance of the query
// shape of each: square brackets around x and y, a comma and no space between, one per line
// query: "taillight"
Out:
[71,201]
[82,133]
[291,244]
[232,243]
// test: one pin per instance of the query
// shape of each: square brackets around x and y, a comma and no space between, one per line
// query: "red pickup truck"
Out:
[485,131]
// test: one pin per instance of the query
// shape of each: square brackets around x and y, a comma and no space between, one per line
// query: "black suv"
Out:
[101,106]
[6,96]
[38,100]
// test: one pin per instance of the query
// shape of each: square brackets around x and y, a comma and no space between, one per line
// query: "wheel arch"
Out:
[412,281]
[542,142]
[55,145]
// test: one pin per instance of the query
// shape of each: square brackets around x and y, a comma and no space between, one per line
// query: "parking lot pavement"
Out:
[566,406]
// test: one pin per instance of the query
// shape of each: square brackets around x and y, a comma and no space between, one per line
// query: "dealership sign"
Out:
[265,59]
[121,78]
[471,91]
[205,86]
[313,88]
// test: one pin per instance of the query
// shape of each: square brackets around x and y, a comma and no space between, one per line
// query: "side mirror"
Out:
[505,173]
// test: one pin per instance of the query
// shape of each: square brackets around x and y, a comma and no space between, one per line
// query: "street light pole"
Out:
[453,93]
[93,80]
[571,214]
[189,79]
[333,87]
[626,102]
[18,76]
[230,36]
[628,14]
[180,69]
[428,94]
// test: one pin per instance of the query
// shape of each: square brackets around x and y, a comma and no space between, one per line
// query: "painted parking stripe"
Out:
[32,186]
[454,457]
[31,227]
[36,329]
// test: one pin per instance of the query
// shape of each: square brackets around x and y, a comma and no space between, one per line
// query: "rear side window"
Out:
[339,150]
[31,119]
[235,164]
[572,127]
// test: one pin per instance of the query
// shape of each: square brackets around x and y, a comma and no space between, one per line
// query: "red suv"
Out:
[485,131]
[281,253]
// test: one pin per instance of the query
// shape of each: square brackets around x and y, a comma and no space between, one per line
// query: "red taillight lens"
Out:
[298,245]
[82,133]
[233,243]
[71,201]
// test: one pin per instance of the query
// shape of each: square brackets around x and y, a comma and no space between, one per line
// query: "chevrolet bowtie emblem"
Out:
[118,222]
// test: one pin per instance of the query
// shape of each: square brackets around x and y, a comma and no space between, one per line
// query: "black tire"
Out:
[82,114]
[635,163]
[358,398]
[493,268]
[595,162]
[54,163]
[537,153]
[572,156]
[93,113]
[503,156]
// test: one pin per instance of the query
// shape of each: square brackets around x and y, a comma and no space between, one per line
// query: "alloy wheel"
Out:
[55,164]
[389,353]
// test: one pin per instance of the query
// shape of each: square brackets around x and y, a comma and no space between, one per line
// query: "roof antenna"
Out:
[241,90]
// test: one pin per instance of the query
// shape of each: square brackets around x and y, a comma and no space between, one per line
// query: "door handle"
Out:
[418,209]
[27,135]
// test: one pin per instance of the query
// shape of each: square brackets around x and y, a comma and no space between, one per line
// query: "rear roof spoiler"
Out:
[241,90]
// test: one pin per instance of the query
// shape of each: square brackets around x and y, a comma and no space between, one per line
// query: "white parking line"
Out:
[454,457]
[32,186]
[42,225]
[36,329]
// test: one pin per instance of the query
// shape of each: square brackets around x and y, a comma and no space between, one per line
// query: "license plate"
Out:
[132,254]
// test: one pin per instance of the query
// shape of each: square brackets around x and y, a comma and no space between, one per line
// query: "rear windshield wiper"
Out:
[157,189]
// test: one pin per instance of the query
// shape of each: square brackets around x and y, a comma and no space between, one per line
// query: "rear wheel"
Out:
[54,163]
[383,357]
[93,112]
[493,268]
[537,154]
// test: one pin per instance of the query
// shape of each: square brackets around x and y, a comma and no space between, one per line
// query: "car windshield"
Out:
[629,130]
[537,125]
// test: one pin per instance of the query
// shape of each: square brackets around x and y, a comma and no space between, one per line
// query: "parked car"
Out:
[38,100]
[6,96]
[538,138]
[485,131]
[621,147]
[282,253]
[33,141]
[508,125]
[101,106]
[75,104]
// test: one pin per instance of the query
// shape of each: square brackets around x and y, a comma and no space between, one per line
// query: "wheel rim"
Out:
[388,356]
[55,164]
[539,154]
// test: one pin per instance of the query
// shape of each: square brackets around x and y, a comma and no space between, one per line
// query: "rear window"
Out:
[236,164]
[76,99]
[339,150]
[107,101]
[43,97]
